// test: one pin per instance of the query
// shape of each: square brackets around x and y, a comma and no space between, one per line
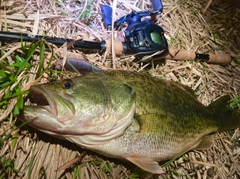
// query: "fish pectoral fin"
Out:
[206,143]
[147,164]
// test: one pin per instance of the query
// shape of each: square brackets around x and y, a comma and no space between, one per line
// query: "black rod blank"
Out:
[17,37]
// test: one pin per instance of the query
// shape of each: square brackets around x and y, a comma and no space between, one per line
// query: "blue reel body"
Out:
[142,37]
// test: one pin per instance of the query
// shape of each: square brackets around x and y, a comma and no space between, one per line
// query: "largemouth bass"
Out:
[128,115]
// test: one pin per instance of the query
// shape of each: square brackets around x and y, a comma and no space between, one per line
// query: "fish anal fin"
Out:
[206,143]
[147,164]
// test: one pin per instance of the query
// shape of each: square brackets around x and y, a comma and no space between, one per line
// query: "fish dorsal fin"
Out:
[188,89]
[147,164]
[78,65]
[206,143]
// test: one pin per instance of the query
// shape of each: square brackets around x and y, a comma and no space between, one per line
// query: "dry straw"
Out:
[201,25]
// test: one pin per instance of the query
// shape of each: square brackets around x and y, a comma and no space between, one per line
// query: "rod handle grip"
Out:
[118,47]
[221,59]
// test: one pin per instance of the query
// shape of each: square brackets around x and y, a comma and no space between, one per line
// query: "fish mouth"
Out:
[53,102]
[43,99]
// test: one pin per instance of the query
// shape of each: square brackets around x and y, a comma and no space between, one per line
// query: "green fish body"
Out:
[129,115]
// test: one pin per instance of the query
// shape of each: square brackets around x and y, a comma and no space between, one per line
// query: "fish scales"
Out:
[130,115]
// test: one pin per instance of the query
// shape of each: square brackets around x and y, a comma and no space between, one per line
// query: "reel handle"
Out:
[157,5]
[107,15]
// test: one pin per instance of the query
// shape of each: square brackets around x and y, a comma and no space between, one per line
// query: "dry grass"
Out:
[36,155]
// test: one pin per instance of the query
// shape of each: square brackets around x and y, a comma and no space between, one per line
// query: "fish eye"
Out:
[66,84]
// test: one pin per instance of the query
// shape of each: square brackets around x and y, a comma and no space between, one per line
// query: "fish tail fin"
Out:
[227,118]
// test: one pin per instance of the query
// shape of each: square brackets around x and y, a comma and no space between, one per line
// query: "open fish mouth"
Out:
[44,100]
[57,104]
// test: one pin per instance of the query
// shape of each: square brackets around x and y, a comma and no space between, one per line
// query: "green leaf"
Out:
[234,102]
[9,163]
[3,74]
[8,95]
[5,84]
[41,58]
[20,64]
[4,67]
[3,102]
[20,99]
[23,46]
[28,54]
[14,141]
[16,110]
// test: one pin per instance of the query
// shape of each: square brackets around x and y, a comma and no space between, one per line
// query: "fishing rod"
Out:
[142,38]
[120,48]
